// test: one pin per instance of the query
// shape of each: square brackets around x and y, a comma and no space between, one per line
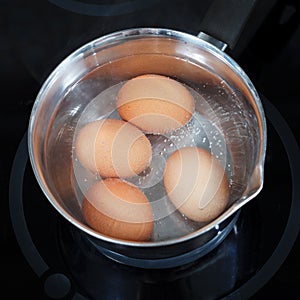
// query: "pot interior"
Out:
[228,121]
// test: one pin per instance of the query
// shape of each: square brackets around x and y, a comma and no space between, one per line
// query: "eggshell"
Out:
[196,183]
[118,209]
[113,148]
[155,103]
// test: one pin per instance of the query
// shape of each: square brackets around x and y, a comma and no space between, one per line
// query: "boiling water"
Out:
[199,131]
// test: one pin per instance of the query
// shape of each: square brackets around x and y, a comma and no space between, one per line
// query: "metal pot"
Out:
[232,111]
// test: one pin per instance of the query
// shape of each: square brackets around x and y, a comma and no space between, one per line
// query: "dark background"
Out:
[36,35]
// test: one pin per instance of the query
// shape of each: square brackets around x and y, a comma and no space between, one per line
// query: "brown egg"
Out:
[196,183]
[155,103]
[118,209]
[113,148]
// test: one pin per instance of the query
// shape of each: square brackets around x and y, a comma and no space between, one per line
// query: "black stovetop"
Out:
[44,257]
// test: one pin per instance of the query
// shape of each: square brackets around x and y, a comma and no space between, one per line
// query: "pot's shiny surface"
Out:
[228,105]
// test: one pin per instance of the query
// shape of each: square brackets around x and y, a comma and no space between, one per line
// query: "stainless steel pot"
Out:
[231,111]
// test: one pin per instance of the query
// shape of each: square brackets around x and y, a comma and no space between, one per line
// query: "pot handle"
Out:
[224,22]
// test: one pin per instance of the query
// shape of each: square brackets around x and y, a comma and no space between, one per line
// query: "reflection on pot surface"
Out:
[223,129]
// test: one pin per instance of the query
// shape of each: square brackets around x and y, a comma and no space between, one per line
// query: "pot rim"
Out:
[149,32]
